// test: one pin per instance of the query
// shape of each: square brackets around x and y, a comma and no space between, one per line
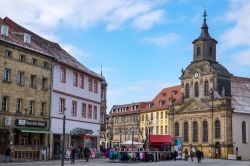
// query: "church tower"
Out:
[205,74]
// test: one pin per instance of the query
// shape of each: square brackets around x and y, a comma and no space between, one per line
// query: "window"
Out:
[95,112]
[43,108]
[36,141]
[6,75]
[176,129]
[34,61]
[44,83]
[157,130]
[151,116]
[32,80]
[18,105]
[217,129]
[166,129]
[74,108]
[161,129]
[22,58]
[142,118]
[187,90]
[20,78]
[244,132]
[195,132]
[81,81]
[31,107]
[89,111]
[45,64]
[103,95]
[63,75]
[185,132]
[166,115]
[26,38]
[4,30]
[5,103]
[8,53]
[205,131]
[210,51]
[95,86]
[206,88]
[83,110]
[75,78]
[90,85]
[198,51]
[24,140]
[157,115]
[161,115]
[196,89]
[62,105]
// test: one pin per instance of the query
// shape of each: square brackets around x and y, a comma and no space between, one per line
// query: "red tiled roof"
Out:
[42,45]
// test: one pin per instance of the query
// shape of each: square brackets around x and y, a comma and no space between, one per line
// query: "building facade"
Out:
[103,116]
[25,92]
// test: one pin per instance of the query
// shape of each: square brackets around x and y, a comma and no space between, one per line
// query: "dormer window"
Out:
[161,103]
[26,38]
[4,30]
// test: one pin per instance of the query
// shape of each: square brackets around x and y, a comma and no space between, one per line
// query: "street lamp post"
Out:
[132,139]
[63,139]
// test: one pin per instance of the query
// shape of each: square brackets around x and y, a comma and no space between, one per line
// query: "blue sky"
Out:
[141,44]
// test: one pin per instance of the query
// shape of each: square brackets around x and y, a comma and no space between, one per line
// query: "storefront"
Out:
[161,142]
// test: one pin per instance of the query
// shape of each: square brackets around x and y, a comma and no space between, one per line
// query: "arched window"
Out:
[185,132]
[198,51]
[176,129]
[195,132]
[196,89]
[217,129]
[187,91]
[244,132]
[210,51]
[205,131]
[206,88]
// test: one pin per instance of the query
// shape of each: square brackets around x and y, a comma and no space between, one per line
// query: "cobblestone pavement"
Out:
[104,162]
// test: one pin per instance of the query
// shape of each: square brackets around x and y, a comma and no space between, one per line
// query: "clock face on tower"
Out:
[196,75]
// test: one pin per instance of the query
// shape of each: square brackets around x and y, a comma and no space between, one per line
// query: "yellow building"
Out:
[154,118]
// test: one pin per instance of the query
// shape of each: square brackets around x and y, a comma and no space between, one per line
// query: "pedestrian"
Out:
[191,155]
[7,154]
[86,153]
[73,155]
[186,154]
[198,155]
[175,155]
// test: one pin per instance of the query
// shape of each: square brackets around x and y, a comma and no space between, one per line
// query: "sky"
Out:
[142,45]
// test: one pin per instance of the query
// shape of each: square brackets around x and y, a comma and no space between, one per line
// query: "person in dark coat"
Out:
[7,154]
[86,153]
[198,155]
[175,155]
[73,155]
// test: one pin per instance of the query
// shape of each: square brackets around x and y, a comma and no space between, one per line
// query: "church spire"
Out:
[204,28]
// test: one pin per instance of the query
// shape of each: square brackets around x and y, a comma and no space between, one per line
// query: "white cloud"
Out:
[239,34]
[162,40]
[243,57]
[148,20]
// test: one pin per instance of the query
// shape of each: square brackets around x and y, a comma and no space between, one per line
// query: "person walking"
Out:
[175,155]
[191,155]
[86,153]
[198,155]
[73,155]
[7,154]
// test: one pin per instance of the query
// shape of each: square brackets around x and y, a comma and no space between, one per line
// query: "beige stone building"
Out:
[25,92]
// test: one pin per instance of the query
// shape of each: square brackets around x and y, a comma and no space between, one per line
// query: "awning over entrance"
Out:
[160,139]
[29,130]
[78,131]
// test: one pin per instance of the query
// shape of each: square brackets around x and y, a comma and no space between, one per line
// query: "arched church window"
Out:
[217,129]
[244,132]
[198,51]
[195,132]
[176,129]
[185,132]
[210,51]
[187,91]
[206,88]
[205,131]
[196,89]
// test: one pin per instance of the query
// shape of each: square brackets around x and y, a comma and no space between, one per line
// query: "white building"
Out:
[76,92]
[241,116]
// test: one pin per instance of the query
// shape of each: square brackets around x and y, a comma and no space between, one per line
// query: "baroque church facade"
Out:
[203,116]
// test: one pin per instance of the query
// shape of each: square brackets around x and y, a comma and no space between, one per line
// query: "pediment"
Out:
[193,105]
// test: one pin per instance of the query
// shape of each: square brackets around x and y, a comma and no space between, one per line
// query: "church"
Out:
[213,114]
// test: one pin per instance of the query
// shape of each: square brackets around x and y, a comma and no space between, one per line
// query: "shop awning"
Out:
[28,130]
[160,139]
[78,131]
